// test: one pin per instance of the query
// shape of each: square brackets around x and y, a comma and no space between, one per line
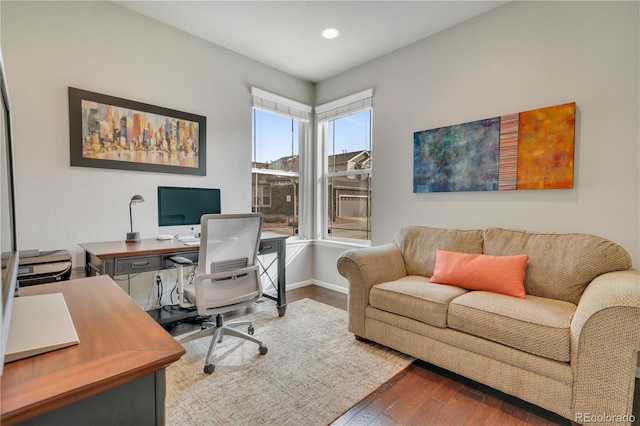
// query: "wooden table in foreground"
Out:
[115,375]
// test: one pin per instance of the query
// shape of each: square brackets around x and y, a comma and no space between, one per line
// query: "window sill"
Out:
[294,241]
[341,244]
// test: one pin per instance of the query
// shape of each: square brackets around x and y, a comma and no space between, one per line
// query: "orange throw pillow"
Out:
[498,274]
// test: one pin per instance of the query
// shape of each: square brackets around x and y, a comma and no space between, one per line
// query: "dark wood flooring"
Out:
[422,394]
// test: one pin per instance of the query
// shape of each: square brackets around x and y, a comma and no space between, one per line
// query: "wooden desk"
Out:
[121,258]
[116,374]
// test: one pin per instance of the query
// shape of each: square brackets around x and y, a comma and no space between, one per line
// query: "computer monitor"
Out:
[180,209]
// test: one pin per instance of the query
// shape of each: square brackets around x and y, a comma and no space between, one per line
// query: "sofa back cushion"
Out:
[418,245]
[560,265]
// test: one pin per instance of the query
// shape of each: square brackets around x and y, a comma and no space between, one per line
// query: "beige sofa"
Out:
[570,346]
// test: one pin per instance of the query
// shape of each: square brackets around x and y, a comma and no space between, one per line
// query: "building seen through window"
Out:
[348,176]
[276,171]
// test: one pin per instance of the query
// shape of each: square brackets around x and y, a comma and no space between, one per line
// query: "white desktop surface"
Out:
[39,323]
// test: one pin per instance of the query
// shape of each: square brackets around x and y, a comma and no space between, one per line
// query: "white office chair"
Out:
[227,276]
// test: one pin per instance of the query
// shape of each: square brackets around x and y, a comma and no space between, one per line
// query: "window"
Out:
[280,128]
[266,196]
[344,128]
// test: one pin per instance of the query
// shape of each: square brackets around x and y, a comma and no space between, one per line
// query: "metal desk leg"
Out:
[280,285]
[87,264]
[281,303]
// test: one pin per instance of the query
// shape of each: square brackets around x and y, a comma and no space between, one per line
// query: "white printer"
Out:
[39,267]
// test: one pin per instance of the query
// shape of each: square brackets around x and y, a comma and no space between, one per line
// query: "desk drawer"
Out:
[267,247]
[138,264]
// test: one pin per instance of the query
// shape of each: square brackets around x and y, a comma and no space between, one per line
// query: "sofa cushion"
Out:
[536,325]
[498,274]
[414,297]
[418,245]
[560,265]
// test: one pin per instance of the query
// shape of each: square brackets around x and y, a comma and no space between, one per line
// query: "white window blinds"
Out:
[280,105]
[345,106]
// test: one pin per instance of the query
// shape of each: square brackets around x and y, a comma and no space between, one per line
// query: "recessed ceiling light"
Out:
[330,33]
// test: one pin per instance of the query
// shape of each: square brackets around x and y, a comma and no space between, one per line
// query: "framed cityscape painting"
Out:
[527,150]
[116,133]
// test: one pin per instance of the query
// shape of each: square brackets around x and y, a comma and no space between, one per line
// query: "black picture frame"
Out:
[114,133]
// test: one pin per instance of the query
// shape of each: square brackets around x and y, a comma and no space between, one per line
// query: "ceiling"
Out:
[286,34]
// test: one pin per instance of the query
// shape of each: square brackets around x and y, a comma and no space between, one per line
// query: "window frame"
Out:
[325,113]
[279,105]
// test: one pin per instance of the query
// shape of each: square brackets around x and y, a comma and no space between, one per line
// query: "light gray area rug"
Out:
[314,371]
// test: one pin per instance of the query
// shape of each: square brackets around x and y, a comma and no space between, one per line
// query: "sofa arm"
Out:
[605,333]
[364,268]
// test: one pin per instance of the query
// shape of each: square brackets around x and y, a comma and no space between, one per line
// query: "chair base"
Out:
[218,330]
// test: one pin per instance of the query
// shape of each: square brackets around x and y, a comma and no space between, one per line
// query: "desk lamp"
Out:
[133,237]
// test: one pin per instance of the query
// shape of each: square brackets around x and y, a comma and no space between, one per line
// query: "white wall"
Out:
[102,47]
[518,57]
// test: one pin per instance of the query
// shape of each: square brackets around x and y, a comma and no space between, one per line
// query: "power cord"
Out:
[158,291]
[174,289]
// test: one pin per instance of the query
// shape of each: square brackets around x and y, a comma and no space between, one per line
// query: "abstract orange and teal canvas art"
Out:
[527,150]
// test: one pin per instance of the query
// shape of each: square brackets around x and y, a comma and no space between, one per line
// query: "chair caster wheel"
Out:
[263,350]
[251,330]
[209,368]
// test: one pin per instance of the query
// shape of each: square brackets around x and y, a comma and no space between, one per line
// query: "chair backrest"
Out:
[227,271]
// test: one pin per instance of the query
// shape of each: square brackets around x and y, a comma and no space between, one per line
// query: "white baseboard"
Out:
[338,288]
[329,286]
[300,284]
[272,292]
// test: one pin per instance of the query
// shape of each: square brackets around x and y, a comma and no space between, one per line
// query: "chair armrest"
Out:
[233,274]
[605,340]
[364,268]
[179,260]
